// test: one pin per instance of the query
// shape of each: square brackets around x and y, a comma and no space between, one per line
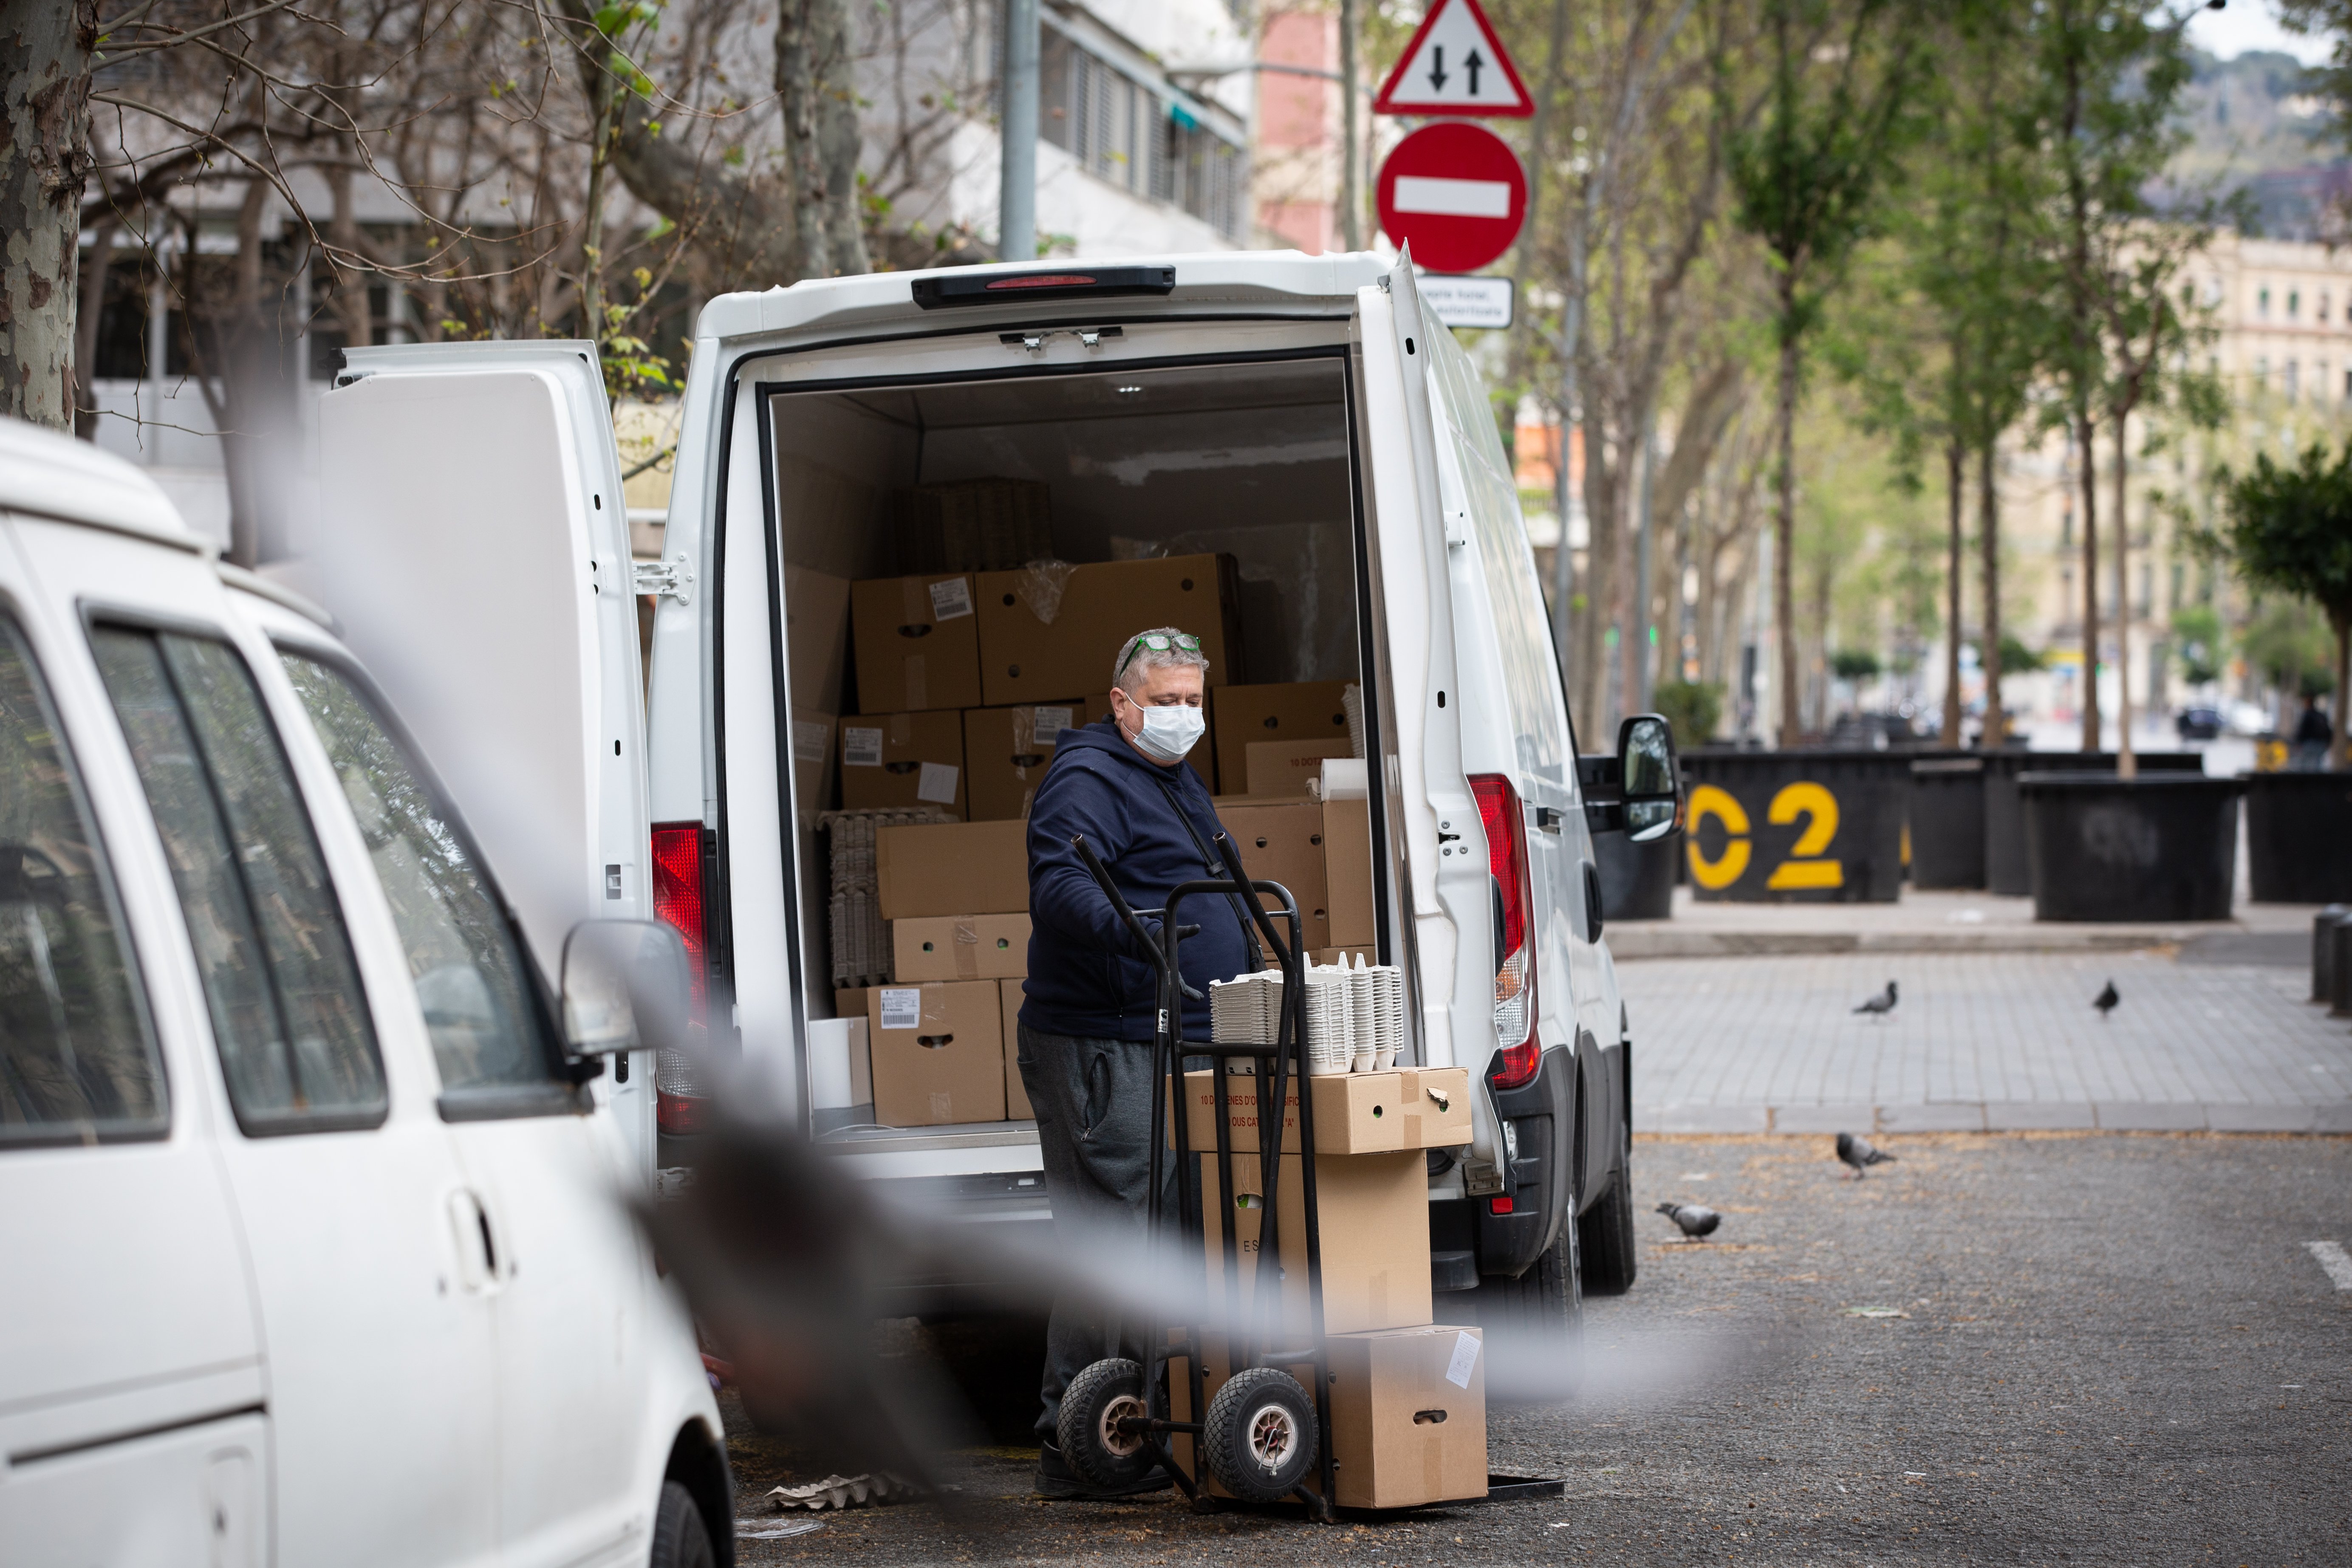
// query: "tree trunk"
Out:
[1600,486]
[1995,730]
[45,60]
[1784,523]
[819,100]
[1956,479]
[2127,764]
[2084,432]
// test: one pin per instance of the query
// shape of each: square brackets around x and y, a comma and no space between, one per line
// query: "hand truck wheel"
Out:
[1259,1438]
[1097,1399]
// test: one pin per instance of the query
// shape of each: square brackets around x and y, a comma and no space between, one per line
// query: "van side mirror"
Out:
[1649,793]
[626,985]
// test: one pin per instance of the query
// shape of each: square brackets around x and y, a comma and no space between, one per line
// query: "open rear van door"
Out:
[472,539]
[1439,910]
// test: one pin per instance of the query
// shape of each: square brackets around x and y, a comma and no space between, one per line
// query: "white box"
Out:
[841,1071]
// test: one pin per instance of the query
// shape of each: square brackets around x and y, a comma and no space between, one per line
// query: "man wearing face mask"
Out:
[1087,1013]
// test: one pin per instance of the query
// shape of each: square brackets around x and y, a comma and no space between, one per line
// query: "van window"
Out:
[462,950]
[1530,676]
[78,1061]
[297,1044]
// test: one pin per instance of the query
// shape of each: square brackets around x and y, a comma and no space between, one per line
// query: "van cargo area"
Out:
[961,560]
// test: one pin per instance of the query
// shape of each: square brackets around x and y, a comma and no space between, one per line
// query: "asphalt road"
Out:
[2112,1349]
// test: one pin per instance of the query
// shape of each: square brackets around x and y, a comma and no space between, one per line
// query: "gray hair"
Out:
[1130,677]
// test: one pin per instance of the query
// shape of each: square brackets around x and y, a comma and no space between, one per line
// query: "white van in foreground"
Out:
[312,1241]
[1301,415]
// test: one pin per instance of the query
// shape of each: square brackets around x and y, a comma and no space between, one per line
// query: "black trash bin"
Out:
[2299,837]
[2340,965]
[1799,827]
[1637,881]
[2162,847]
[2006,870]
[1947,816]
[2322,952]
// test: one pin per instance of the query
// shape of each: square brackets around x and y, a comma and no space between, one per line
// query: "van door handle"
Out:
[478,1264]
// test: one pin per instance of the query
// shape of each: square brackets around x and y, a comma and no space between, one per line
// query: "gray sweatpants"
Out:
[1093,1104]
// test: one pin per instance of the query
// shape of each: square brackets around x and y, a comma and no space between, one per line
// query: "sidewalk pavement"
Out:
[1986,1040]
[1943,923]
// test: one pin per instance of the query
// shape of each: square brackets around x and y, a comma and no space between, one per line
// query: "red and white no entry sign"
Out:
[1455,193]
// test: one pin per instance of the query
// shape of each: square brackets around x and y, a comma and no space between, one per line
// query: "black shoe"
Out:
[1058,1482]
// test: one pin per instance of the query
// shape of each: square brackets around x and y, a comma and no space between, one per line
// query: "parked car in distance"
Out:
[1302,419]
[2199,723]
[314,1239]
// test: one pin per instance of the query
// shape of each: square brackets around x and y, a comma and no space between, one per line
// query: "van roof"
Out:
[1254,278]
[55,475]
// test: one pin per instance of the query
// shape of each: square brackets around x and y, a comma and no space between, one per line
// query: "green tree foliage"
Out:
[1693,708]
[2200,642]
[2290,531]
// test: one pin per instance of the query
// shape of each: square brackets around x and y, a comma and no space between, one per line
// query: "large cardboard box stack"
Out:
[1283,842]
[938,1053]
[1050,633]
[903,760]
[917,642]
[1006,751]
[975,525]
[1293,713]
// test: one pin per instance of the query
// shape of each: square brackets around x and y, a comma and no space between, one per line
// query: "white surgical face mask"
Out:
[1170,733]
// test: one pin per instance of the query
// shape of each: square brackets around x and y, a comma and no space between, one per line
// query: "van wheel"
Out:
[1259,1438]
[1605,1235]
[680,1539]
[1542,1310]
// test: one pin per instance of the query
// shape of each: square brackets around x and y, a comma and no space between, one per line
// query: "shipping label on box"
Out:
[1374,1213]
[1051,634]
[903,760]
[1436,1107]
[1241,716]
[910,654]
[1355,1113]
[1348,871]
[960,947]
[938,1054]
[1281,770]
[952,869]
[1285,844]
[1016,1093]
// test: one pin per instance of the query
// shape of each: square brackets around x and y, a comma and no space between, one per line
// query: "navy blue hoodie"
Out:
[1086,974]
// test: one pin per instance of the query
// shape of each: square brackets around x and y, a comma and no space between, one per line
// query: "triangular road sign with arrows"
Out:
[1454,65]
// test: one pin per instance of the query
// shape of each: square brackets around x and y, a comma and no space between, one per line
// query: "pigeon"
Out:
[1880,1004]
[1856,1150]
[2105,1000]
[1697,1221]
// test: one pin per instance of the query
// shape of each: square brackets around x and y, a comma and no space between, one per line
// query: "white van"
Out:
[1301,415]
[311,1249]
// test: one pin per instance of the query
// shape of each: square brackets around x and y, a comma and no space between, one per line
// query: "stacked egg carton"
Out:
[861,937]
[1331,1020]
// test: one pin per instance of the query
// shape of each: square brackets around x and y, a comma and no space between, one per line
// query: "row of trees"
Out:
[1952,221]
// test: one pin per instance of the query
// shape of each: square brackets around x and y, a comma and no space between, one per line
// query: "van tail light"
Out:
[1515,973]
[679,903]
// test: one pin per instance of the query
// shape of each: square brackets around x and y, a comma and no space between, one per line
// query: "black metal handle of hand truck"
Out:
[1101,873]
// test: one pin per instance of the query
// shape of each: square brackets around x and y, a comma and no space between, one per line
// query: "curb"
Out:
[1635,943]
[1967,1116]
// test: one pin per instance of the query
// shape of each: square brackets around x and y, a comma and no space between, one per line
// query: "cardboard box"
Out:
[952,869]
[903,760]
[1436,1107]
[1006,751]
[1374,1210]
[939,1055]
[852,1001]
[1025,658]
[916,641]
[1282,769]
[1016,1093]
[960,947]
[1355,1113]
[974,525]
[1348,871]
[1299,710]
[1408,1414]
[1285,844]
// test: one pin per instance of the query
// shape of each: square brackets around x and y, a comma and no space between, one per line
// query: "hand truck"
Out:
[1263,1433]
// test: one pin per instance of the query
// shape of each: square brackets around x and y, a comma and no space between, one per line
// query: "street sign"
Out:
[1466,301]
[1455,193]
[1454,65]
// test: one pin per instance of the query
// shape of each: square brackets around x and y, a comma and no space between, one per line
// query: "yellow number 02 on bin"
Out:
[1804,869]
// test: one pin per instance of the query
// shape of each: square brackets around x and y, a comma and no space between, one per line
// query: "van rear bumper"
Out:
[1540,1183]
